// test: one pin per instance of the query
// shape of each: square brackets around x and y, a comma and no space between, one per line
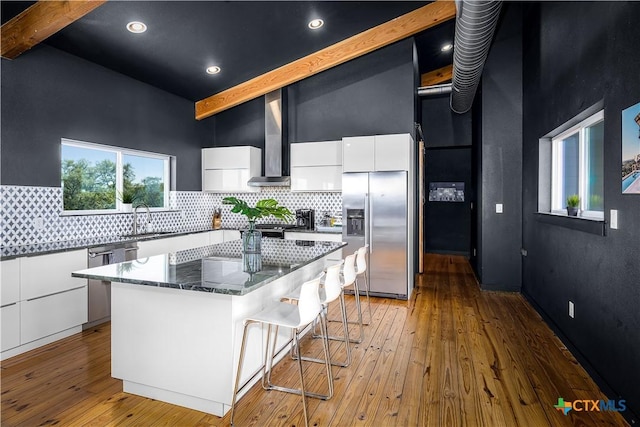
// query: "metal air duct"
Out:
[475,24]
[434,90]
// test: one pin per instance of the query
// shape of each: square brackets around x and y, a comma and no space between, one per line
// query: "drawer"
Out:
[10,327]
[10,282]
[48,274]
[48,315]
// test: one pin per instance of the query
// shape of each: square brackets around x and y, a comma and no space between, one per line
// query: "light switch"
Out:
[498,207]
[614,219]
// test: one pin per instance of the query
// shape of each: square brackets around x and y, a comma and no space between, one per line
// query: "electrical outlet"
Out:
[613,219]
[499,208]
[38,223]
[572,312]
[183,215]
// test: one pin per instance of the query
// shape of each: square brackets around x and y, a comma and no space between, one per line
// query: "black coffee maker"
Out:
[305,219]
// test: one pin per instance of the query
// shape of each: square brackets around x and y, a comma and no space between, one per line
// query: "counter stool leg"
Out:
[239,370]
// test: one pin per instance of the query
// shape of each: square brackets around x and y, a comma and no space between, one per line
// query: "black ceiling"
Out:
[244,38]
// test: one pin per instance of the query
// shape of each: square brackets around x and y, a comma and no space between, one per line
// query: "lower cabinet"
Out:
[10,326]
[318,237]
[48,315]
[147,248]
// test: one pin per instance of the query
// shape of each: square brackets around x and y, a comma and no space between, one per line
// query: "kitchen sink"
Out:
[150,234]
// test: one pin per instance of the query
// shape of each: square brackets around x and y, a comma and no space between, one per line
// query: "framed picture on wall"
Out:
[631,150]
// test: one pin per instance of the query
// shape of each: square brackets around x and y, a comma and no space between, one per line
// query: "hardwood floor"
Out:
[451,356]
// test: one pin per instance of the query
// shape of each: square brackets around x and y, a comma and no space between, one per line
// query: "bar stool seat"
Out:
[331,291]
[296,317]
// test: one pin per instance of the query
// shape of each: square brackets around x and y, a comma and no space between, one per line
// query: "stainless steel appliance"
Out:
[306,219]
[99,290]
[375,211]
[277,230]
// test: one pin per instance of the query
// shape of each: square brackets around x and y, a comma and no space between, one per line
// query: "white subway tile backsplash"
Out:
[24,209]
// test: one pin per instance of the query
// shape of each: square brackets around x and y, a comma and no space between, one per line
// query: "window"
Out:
[577,156]
[99,179]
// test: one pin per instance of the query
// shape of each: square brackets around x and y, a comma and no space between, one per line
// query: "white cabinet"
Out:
[10,282]
[316,166]
[47,274]
[377,153]
[147,248]
[216,237]
[48,315]
[333,257]
[227,169]
[41,302]
[231,235]
[10,326]
[357,154]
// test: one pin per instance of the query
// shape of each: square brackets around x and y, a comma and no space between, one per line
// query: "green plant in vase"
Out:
[573,201]
[263,208]
[252,238]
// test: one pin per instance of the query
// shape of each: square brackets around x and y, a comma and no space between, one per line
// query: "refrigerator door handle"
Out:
[368,222]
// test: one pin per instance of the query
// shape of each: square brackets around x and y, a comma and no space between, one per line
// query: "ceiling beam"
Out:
[353,47]
[40,21]
[438,76]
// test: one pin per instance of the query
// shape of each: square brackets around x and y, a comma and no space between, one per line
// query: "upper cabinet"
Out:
[227,169]
[316,166]
[377,153]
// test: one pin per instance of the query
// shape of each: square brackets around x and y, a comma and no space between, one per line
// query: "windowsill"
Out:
[115,212]
[589,225]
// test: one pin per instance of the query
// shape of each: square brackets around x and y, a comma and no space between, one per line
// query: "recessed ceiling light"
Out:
[214,69]
[137,27]
[316,23]
[447,47]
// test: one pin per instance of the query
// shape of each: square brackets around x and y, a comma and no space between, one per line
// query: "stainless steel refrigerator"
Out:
[375,211]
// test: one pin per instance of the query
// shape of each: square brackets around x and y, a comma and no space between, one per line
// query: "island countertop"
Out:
[216,268]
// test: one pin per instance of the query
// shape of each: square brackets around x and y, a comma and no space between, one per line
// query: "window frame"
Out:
[120,152]
[557,205]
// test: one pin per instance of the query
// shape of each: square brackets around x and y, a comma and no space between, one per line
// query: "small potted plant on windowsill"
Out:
[127,197]
[573,201]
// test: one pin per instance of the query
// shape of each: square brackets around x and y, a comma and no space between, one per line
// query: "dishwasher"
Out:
[100,290]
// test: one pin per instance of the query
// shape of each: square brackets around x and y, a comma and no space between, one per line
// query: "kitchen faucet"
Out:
[135,218]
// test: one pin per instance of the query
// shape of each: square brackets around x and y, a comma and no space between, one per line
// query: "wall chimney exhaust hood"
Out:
[275,114]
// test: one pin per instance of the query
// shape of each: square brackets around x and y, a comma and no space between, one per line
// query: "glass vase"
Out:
[251,249]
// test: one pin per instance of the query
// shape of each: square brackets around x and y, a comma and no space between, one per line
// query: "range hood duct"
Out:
[275,114]
[433,90]
[476,22]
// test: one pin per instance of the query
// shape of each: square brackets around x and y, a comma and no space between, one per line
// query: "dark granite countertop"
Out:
[34,249]
[216,268]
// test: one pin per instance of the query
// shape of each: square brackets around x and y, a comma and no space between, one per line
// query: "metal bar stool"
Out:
[296,317]
[331,291]
[361,269]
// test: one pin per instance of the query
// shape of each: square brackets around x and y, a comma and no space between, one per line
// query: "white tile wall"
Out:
[22,207]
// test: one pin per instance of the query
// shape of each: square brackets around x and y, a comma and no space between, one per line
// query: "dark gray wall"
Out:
[441,126]
[447,224]
[448,158]
[500,149]
[370,95]
[48,94]
[575,55]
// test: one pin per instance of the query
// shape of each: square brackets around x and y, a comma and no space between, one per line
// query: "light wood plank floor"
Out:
[451,356]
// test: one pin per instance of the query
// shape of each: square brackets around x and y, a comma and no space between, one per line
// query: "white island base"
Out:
[182,346]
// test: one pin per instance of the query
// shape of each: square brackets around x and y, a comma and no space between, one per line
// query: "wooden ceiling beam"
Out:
[353,47]
[40,21]
[435,77]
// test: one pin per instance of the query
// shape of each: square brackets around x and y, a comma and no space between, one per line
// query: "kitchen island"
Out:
[176,319]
